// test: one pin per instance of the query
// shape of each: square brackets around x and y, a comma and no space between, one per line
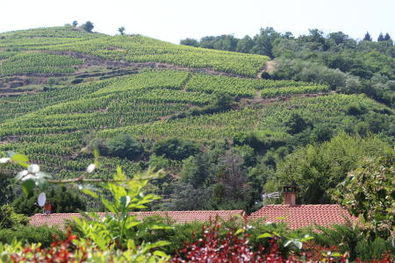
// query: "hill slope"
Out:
[58,86]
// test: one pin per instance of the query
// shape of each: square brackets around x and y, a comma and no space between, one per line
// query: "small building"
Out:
[299,216]
[180,217]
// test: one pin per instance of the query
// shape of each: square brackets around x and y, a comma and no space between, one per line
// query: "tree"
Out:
[387,37]
[367,37]
[319,168]
[88,26]
[75,23]
[264,41]
[176,149]
[245,44]
[121,30]
[232,190]
[381,37]
[295,124]
[338,37]
[190,42]
[125,146]
[369,193]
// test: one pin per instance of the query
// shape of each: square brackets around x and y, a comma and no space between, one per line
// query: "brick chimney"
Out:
[289,194]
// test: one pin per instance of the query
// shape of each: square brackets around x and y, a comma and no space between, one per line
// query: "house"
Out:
[299,216]
[296,216]
[180,217]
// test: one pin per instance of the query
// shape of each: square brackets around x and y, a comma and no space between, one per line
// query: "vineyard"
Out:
[74,100]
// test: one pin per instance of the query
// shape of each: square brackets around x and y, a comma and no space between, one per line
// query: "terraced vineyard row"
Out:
[259,118]
[33,62]
[134,48]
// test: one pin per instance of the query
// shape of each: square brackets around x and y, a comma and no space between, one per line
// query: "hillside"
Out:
[63,90]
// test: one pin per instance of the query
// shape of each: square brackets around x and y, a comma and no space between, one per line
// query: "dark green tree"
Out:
[245,44]
[88,26]
[295,124]
[176,149]
[125,146]
[381,37]
[319,168]
[121,30]
[369,192]
[387,37]
[189,42]
[75,23]
[264,42]
[367,37]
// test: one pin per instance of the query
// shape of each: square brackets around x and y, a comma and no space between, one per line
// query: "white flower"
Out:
[29,176]
[33,168]
[22,174]
[4,160]
[91,168]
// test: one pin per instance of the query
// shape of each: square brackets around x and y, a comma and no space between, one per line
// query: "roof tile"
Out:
[59,219]
[298,216]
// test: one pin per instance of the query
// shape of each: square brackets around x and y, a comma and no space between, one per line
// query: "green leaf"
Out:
[160,253]
[108,205]
[265,235]
[155,227]
[90,193]
[132,224]
[239,231]
[157,244]
[19,158]
[28,186]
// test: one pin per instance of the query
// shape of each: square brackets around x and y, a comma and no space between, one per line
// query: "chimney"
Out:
[289,194]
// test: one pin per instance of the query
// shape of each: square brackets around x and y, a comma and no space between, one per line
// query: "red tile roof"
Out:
[58,219]
[298,216]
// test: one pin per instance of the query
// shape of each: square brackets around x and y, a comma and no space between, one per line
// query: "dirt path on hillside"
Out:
[91,60]
[257,99]
[269,67]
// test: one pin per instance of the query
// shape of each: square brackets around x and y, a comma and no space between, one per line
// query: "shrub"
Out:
[125,146]
[295,124]
[176,149]
[10,219]
[31,234]
[88,26]
[62,199]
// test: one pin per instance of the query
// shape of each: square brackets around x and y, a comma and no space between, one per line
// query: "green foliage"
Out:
[31,234]
[34,62]
[295,124]
[318,169]
[125,146]
[176,149]
[10,219]
[62,198]
[369,193]
[87,26]
[116,228]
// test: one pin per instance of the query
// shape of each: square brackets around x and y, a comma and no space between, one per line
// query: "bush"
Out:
[176,149]
[88,26]
[355,109]
[125,146]
[31,234]
[10,219]
[295,124]
[62,199]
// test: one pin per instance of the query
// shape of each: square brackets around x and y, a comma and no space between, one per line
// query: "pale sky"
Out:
[173,20]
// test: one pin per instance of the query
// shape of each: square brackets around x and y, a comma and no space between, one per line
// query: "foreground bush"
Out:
[31,234]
